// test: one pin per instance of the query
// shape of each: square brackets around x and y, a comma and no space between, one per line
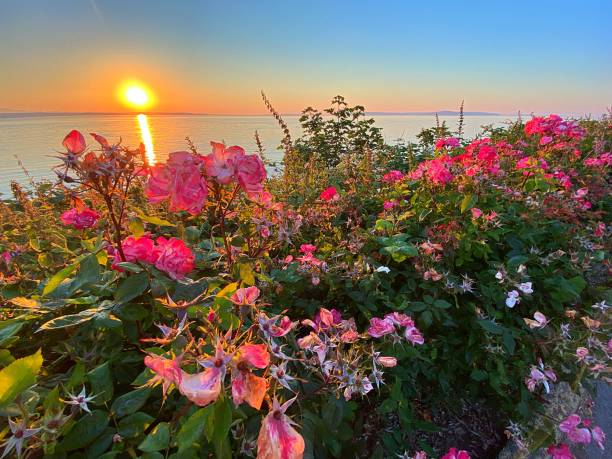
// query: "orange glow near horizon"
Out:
[147,139]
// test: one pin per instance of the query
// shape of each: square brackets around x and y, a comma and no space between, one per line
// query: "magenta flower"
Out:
[174,257]
[330,194]
[80,218]
[380,327]
[476,212]
[413,335]
[307,248]
[74,142]
[180,181]
[576,434]
[560,451]
[454,454]
[393,177]
[139,249]
[451,142]
[388,205]
[400,319]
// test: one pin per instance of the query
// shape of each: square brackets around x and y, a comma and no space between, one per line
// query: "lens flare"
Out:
[147,140]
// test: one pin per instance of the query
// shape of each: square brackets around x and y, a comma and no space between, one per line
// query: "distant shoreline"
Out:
[439,113]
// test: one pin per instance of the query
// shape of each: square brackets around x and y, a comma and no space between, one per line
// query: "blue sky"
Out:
[215,56]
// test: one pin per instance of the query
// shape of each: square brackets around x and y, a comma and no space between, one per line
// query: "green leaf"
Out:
[19,376]
[69,320]
[246,273]
[158,439]
[192,430]
[89,271]
[135,424]
[130,402]
[491,327]
[132,287]
[221,420]
[479,375]
[468,202]
[58,278]
[85,431]
[509,342]
[383,225]
[153,220]
[442,304]
[101,383]
[8,330]
[77,376]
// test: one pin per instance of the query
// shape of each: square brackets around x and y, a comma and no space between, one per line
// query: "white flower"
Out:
[521,269]
[383,269]
[80,400]
[602,306]
[525,287]
[499,276]
[20,433]
[513,298]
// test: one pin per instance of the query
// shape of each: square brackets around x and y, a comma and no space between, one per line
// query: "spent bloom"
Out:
[580,431]
[74,142]
[513,298]
[244,296]
[540,375]
[539,320]
[277,438]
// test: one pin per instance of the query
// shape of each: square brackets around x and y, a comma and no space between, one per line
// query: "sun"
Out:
[135,95]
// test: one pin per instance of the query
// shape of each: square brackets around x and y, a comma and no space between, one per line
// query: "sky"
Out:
[393,56]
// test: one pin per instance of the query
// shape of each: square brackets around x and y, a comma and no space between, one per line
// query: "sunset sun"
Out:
[135,95]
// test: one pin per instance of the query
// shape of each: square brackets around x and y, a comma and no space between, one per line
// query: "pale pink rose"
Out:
[380,327]
[202,388]
[400,319]
[174,257]
[80,218]
[277,438]
[330,194]
[221,163]
[74,142]
[387,362]
[413,335]
[180,181]
[581,353]
[246,295]
[250,172]
[476,212]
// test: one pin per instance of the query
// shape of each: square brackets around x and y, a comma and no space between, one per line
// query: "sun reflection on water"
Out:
[147,140]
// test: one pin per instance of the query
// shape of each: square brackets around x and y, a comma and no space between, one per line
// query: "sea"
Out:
[30,142]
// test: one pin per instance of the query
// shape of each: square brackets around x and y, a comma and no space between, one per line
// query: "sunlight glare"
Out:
[147,139]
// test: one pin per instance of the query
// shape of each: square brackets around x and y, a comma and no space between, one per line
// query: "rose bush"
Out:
[196,307]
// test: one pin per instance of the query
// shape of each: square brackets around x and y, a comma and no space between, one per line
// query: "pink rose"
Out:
[250,172]
[413,335]
[476,212]
[393,177]
[221,163]
[330,194]
[174,257]
[454,454]
[80,219]
[180,181]
[388,205]
[380,327]
[74,142]
[139,249]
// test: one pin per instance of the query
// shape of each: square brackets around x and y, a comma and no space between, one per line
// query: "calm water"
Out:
[34,139]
